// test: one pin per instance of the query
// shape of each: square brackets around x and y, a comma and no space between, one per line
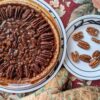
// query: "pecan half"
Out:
[26,13]
[9,72]
[95,40]
[36,22]
[75,56]
[40,60]
[47,37]
[17,10]
[85,58]
[26,71]
[4,11]
[9,12]
[46,54]
[77,36]
[29,18]
[83,45]
[43,28]
[19,72]
[2,14]
[95,62]
[96,54]
[92,31]
[36,68]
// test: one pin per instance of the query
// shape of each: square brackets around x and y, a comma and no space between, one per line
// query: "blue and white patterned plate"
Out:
[82,70]
[15,88]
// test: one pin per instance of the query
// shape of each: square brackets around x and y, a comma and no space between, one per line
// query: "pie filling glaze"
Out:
[27,42]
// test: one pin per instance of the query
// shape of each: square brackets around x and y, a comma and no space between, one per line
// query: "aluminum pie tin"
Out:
[23,88]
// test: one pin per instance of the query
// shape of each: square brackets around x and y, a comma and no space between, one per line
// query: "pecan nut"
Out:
[95,40]
[83,45]
[75,56]
[92,31]
[96,54]
[95,62]
[78,36]
[26,13]
[85,58]
[44,28]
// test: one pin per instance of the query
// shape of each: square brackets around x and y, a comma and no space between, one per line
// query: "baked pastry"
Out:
[29,42]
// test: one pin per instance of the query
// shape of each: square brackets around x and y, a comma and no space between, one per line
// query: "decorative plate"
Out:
[81,69]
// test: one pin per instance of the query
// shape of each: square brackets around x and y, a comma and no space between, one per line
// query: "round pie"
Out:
[29,42]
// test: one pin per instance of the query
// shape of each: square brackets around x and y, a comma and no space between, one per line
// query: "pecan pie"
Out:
[29,42]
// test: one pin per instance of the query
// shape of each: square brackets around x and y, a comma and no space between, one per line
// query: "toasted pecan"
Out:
[92,31]
[75,56]
[95,62]
[95,40]
[84,45]
[85,58]
[78,36]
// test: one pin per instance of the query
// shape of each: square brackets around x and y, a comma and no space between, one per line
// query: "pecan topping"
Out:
[2,14]
[47,37]
[27,71]
[36,68]
[85,58]
[10,72]
[46,54]
[36,22]
[40,60]
[4,10]
[27,42]
[75,56]
[83,45]
[9,12]
[19,72]
[92,31]
[26,13]
[17,10]
[44,28]
[78,36]
[30,16]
